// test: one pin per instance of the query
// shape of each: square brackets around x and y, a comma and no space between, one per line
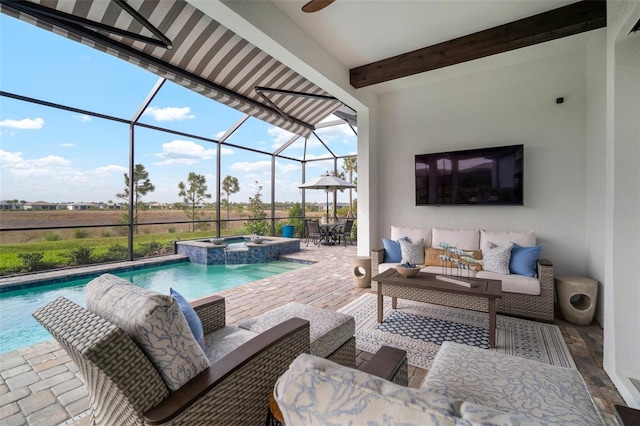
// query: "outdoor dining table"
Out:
[327,233]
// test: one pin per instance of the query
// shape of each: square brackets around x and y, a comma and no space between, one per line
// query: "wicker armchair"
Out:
[125,389]
[538,307]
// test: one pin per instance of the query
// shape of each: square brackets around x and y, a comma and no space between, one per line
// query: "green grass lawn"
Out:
[56,253]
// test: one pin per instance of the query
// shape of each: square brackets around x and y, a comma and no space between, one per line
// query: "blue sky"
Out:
[48,154]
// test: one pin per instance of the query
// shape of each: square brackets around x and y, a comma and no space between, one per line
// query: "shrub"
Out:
[32,261]
[150,247]
[171,229]
[80,256]
[115,252]
[79,234]
[106,234]
[51,236]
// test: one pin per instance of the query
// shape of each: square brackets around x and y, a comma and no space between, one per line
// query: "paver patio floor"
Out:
[39,384]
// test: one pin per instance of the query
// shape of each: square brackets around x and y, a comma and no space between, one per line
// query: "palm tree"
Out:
[230,186]
[350,165]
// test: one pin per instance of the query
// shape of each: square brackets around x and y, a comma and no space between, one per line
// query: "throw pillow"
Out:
[412,252]
[154,322]
[191,316]
[524,259]
[392,253]
[432,258]
[496,258]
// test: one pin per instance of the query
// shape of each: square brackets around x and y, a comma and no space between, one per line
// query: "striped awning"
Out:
[174,40]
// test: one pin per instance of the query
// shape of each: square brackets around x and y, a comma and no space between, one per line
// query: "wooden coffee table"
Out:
[391,283]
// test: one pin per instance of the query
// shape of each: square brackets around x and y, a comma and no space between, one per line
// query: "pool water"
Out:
[18,328]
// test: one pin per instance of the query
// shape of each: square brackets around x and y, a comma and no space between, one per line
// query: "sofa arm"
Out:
[211,310]
[545,275]
[377,257]
[238,384]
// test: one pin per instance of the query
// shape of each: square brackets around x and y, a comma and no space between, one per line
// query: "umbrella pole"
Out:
[327,206]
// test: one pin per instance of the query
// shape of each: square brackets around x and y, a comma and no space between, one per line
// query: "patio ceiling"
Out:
[176,41]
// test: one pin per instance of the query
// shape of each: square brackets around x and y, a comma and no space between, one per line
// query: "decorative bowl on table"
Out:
[408,270]
[217,241]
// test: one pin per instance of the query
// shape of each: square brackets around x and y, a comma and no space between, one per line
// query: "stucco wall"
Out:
[595,161]
[506,106]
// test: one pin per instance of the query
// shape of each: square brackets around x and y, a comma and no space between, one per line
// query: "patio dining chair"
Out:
[343,231]
[142,365]
[313,231]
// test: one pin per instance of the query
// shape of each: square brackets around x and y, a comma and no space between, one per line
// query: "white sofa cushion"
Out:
[315,391]
[465,239]
[414,234]
[514,283]
[503,238]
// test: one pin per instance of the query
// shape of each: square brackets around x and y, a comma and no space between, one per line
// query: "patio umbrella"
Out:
[328,183]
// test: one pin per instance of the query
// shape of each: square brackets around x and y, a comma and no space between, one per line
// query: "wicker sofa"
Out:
[531,297]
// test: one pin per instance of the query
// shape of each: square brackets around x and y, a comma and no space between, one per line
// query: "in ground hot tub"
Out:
[236,250]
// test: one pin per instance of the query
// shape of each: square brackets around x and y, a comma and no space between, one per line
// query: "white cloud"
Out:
[169,113]
[220,134]
[67,145]
[84,118]
[280,136]
[183,152]
[251,167]
[24,124]
[110,170]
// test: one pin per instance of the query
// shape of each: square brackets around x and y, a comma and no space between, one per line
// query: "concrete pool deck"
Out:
[40,385]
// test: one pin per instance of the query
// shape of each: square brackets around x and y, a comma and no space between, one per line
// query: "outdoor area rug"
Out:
[420,328]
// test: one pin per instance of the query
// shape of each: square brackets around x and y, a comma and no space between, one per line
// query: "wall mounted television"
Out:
[485,176]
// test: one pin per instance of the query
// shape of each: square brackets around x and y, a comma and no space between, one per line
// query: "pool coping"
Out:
[62,275]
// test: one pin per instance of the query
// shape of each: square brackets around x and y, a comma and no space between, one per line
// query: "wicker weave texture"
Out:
[212,315]
[106,358]
[242,398]
[402,375]
[345,354]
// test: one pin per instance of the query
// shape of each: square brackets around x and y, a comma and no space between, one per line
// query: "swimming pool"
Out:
[19,329]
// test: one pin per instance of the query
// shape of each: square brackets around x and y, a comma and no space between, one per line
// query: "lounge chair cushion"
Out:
[221,342]
[316,391]
[328,329]
[154,322]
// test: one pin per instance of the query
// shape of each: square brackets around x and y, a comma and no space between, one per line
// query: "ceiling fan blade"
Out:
[316,5]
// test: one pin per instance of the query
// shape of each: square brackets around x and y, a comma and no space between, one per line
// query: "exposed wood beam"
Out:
[562,22]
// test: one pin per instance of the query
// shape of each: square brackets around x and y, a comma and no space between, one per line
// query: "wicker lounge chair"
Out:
[126,389]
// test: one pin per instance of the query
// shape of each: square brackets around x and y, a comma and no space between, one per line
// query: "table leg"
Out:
[379,302]
[492,323]
[394,302]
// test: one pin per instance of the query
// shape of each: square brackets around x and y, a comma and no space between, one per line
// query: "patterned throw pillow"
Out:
[412,252]
[432,258]
[154,322]
[496,259]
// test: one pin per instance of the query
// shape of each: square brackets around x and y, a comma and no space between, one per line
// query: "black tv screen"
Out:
[486,176]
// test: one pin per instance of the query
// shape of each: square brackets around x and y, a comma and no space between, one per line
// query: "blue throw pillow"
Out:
[392,253]
[524,259]
[192,317]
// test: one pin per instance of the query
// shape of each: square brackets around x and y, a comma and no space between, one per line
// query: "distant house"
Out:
[4,205]
[40,205]
[81,206]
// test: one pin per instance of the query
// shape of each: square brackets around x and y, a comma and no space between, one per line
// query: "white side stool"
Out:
[577,297]
[361,271]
